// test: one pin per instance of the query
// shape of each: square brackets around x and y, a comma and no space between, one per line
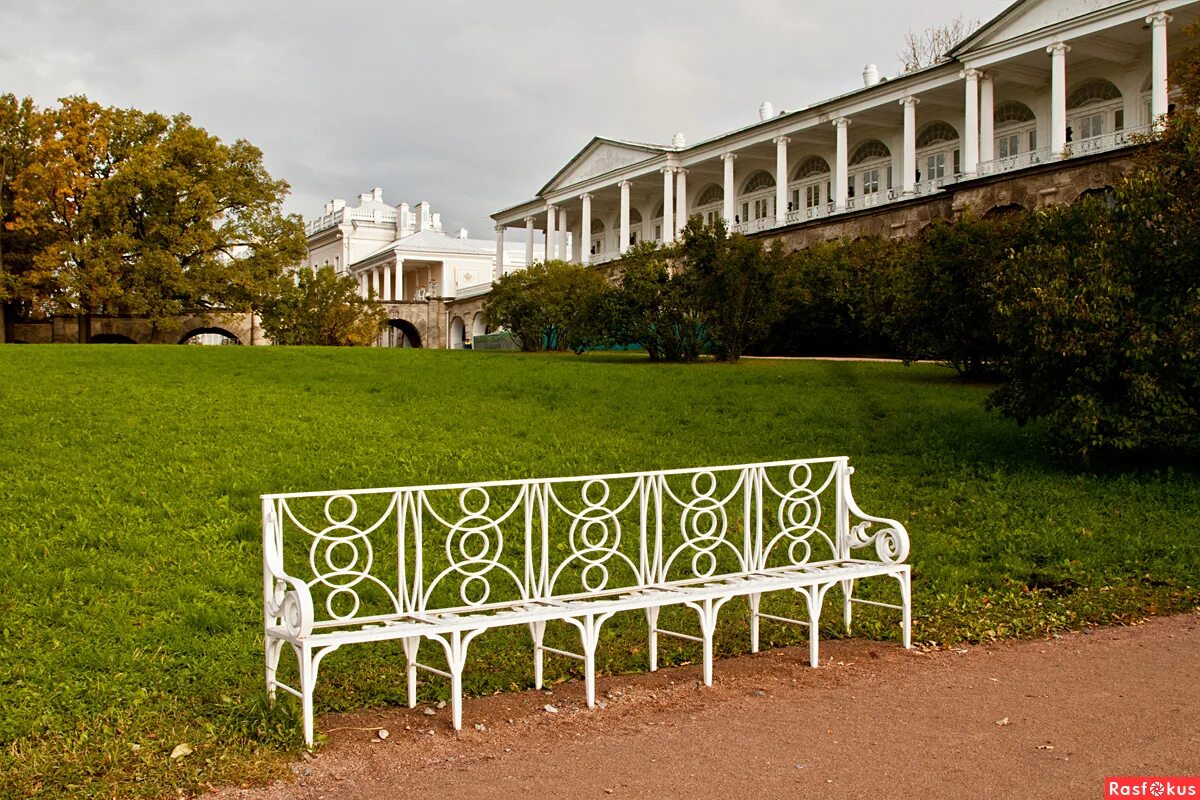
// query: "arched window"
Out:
[937,152]
[1016,129]
[597,225]
[635,216]
[759,180]
[711,194]
[1012,112]
[1098,110]
[868,151]
[813,165]
[596,245]
[759,200]
[874,169]
[810,188]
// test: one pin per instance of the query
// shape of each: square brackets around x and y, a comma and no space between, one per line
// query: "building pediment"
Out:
[1028,16]
[601,156]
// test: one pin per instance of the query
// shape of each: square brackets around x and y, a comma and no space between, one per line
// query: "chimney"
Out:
[329,208]
[338,204]
[423,221]
[437,222]
[377,194]
[364,197]
[679,141]
[870,75]
[403,220]
[766,111]
[462,234]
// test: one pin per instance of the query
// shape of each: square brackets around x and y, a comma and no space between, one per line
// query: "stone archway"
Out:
[110,338]
[209,335]
[458,333]
[478,326]
[401,333]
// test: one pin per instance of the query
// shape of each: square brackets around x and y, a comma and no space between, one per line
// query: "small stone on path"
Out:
[550,709]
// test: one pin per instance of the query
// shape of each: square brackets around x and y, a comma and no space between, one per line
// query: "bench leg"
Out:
[274,648]
[812,599]
[652,623]
[707,611]
[755,600]
[310,662]
[847,594]
[412,645]
[905,579]
[538,631]
[456,661]
[589,637]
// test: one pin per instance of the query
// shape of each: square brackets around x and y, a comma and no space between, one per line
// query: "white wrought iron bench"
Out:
[448,562]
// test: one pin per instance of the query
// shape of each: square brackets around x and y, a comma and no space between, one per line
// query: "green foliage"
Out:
[131,611]
[944,307]
[651,307]
[553,305]
[321,308]
[1102,310]
[123,212]
[732,282]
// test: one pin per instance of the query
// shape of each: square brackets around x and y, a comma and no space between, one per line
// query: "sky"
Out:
[472,105]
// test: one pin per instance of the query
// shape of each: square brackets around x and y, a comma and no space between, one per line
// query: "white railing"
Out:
[1108,141]
[1031,158]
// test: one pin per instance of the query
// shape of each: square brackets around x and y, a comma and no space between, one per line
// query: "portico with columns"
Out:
[1042,82]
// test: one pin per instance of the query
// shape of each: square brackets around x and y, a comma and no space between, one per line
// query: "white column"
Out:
[498,270]
[681,214]
[727,208]
[841,176]
[399,287]
[528,241]
[585,235]
[364,288]
[550,237]
[387,283]
[909,165]
[448,288]
[1158,68]
[561,246]
[623,242]
[987,118]
[668,221]
[378,283]
[970,135]
[781,178]
[1058,97]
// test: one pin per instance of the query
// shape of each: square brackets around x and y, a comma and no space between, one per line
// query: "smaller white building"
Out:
[401,253]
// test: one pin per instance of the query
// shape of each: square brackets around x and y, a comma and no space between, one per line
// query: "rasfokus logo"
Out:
[1152,786]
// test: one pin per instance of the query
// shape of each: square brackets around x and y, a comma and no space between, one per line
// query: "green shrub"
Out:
[551,305]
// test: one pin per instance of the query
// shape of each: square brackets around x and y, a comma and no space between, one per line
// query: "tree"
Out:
[930,45]
[322,308]
[733,284]
[138,214]
[552,305]
[1101,312]
[651,307]
[21,129]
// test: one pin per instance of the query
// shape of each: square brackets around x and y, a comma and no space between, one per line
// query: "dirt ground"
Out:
[1044,718]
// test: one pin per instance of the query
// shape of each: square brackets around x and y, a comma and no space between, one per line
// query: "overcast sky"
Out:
[471,105]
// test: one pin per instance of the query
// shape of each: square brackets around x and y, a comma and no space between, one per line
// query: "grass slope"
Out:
[130,601]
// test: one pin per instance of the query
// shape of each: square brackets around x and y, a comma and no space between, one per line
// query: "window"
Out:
[712,194]
[813,195]
[813,165]
[869,150]
[759,180]
[935,133]
[1097,104]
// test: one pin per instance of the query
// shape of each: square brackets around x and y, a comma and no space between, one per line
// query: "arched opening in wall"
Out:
[757,197]
[458,332]
[636,234]
[1015,129]
[209,336]
[937,153]
[1094,108]
[870,168]
[996,212]
[1145,106]
[1104,194]
[478,325]
[810,187]
[709,203]
[400,333]
[110,338]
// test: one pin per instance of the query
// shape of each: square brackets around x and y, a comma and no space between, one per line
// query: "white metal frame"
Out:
[572,549]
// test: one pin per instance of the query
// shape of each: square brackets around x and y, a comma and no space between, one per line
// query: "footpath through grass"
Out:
[130,596]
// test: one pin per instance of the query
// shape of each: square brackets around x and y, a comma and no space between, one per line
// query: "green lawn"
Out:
[130,598]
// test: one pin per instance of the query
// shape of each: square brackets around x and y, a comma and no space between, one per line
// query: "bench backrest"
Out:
[371,554]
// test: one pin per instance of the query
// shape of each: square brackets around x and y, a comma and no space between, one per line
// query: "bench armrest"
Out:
[288,604]
[890,539]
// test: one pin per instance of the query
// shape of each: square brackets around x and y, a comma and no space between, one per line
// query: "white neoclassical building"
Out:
[401,253]
[1045,81]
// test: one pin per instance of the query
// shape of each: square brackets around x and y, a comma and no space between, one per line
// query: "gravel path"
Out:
[1043,718]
